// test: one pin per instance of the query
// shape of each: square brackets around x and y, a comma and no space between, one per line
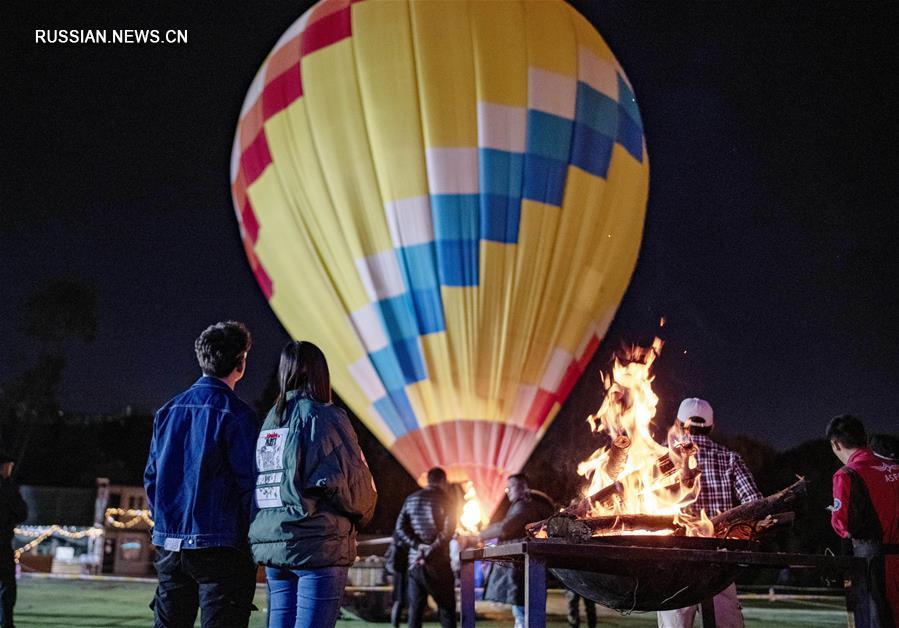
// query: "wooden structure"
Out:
[125,548]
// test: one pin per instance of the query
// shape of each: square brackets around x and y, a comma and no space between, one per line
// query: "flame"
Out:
[472,514]
[631,473]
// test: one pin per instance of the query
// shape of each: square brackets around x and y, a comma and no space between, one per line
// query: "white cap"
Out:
[694,407]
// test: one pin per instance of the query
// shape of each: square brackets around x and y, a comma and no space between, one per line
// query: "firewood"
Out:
[772,521]
[663,467]
[567,527]
[606,495]
[617,456]
[750,514]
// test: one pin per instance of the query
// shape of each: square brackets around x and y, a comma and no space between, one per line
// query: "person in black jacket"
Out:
[426,525]
[506,583]
[13,510]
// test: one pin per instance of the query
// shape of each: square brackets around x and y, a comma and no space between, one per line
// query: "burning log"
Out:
[606,496]
[663,467]
[617,456]
[743,521]
[568,527]
[752,514]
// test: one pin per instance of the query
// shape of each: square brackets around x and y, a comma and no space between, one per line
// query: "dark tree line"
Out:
[53,319]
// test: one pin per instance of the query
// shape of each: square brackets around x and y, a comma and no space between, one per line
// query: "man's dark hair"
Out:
[436,476]
[847,430]
[221,347]
[519,477]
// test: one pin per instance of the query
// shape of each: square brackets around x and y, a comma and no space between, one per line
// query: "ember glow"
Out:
[632,474]
[472,514]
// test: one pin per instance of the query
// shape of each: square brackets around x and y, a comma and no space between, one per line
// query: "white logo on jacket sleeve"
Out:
[837,504]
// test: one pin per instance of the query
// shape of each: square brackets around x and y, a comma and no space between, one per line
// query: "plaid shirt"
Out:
[724,479]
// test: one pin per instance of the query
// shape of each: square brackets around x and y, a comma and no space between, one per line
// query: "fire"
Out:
[472,514]
[632,474]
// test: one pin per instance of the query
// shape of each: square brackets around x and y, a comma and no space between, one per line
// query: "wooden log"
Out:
[663,467]
[567,527]
[617,456]
[741,522]
[773,521]
[747,515]
[628,523]
[606,495]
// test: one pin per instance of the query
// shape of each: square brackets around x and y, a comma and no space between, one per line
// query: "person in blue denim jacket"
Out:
[199,481]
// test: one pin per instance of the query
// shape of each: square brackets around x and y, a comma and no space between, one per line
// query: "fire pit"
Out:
[639,495]
[660,559]
[652,582]
[632,540]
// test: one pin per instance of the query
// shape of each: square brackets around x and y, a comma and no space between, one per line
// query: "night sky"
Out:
[769,246]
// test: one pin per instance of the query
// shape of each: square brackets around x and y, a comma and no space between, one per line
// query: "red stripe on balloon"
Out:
[543,403]
[283,58]
[255,158]
[248,249]
[584,360]
[281,91]
[263,280]
[249,222]
[487,467]
[572,373]
[239,189]
[250,125]
[331,28]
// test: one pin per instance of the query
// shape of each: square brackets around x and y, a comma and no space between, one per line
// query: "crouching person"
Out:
[313,492]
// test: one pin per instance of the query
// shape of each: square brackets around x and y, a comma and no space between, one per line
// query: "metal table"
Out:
[538,554]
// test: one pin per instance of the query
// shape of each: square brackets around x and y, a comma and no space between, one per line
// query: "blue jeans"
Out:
[301,598]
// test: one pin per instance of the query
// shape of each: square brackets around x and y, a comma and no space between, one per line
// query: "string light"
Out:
[137,517]
[39,534]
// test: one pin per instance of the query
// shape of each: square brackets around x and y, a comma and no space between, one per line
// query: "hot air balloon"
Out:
[448,197]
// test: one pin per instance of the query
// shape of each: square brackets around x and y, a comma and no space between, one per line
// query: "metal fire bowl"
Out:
[653,583]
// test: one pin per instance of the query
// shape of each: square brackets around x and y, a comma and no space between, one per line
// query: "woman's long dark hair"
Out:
[303,367]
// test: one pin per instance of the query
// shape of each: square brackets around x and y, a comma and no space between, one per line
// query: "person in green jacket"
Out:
[313,492]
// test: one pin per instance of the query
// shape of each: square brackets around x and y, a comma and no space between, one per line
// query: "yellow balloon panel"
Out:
[448,197]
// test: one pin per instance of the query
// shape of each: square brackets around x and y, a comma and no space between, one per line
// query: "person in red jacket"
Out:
[866,510]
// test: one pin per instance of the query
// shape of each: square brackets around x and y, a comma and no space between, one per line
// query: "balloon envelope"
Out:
[448,197]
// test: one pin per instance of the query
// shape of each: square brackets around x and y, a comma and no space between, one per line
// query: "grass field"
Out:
[51,603]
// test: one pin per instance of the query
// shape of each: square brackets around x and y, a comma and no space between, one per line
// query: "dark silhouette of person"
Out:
[505,583]
[426,524]
[13,510]
[398,568]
